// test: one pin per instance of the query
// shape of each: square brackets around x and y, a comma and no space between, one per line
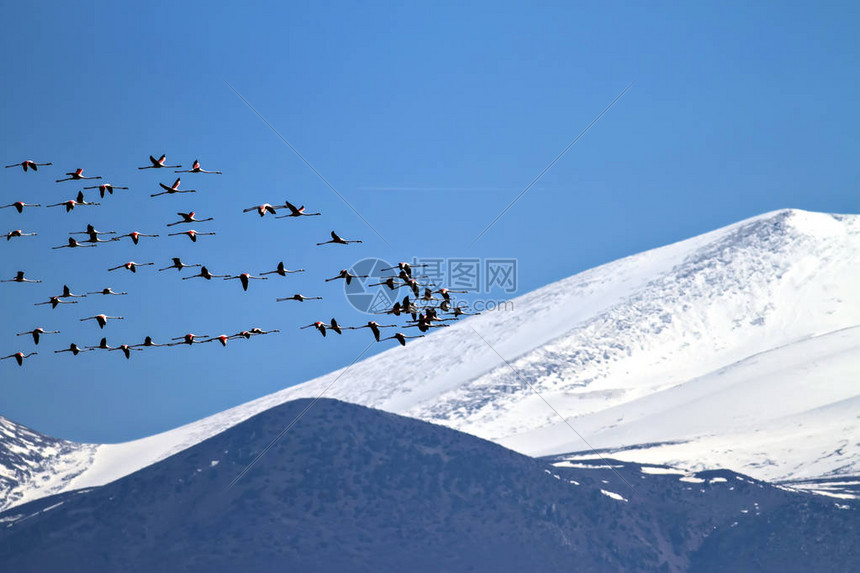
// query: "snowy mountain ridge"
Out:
[738,348]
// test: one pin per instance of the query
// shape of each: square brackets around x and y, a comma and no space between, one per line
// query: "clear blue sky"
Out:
[428,119]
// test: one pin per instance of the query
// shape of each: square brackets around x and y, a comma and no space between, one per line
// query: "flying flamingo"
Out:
[345,274]
[320,326]
[446,293]
[159,163]
[404,267]
[107,291]
[73,244]
[105,187]
[19,278]
[244,278]
[27,164]
[93,239]
[414,285]
[295,211]
[428,295]
[195,168]
[173,189]
[253,332]
[131,265]
[299,297]
[73,348]
[373,326]
[92,231]
[126,349]
[204,272]
[102,319]
[178,265]
[222,339]
[37,332]
[401,338]
[18,233]
[425,323]
[189,218]
[192,234]
[404,307]
[54,301]
[261,209]
[102,345]
[19,205]
[67,293]
[389,282]
[258,330]
[335,326]
[148,343]
[188,339]
[135,236]
[77,175]
[72,203]
[458,311]
[337,240]
[282,270]
[19,357]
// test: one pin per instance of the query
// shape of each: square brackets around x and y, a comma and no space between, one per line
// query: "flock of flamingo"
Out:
[424,310]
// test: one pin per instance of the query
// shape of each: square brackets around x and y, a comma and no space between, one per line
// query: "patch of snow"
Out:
[613,495]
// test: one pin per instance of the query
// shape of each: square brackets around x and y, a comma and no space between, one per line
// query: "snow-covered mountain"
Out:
[739,348]
[36,461]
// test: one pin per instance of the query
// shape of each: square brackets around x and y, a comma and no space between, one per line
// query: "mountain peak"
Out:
[696,350]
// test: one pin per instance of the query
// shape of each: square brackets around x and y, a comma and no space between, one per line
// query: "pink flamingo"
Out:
[189,218]
[148,343]
[173,189]
[195,168]
[102,319]
[134,235]
[108,291]
[37,332]
[105,187]
[282,270]
[131,266]
[178,265]
[76,175]
[401,338]
[19,357]
[159,163]
[73,348]
[296,211]
[245,278]
[92,231]
[102,345]
[187,339]
[345,274]
[222,339]
[72,203]
[204,272]
[67,293]
[299,297]
[320,326]
[335,239]
[19,278]
[19,205]
[18,233]
[192,234]
[126,349]
[261,209]
[373,326]
[27,164]
[54,301]
[73,244]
